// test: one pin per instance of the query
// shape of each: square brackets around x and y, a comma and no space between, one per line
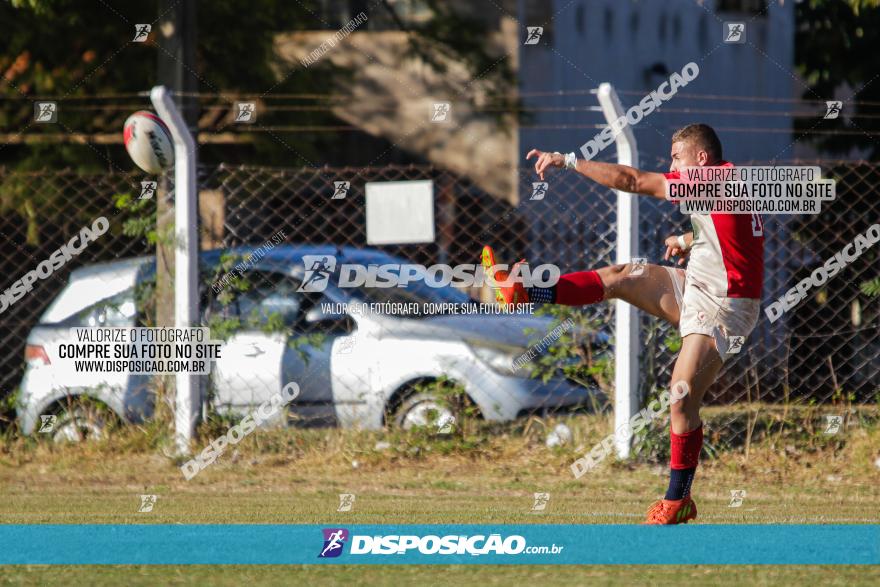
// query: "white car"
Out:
[366,370]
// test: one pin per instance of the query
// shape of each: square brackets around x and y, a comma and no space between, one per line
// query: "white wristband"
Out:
[681,242]
[570,159]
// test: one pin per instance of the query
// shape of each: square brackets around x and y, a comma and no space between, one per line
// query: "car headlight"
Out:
[499,357]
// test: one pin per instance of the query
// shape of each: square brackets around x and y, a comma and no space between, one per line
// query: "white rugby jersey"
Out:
[727,255]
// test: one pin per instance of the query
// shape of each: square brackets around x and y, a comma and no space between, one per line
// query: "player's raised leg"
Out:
[651,288]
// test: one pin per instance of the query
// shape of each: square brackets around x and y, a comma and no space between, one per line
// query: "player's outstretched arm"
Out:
[612,175]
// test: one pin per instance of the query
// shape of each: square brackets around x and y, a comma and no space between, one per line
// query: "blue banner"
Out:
[163,544]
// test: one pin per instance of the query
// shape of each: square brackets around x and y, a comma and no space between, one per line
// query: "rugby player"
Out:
[716,299]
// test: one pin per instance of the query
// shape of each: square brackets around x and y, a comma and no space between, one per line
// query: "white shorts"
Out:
[727,320]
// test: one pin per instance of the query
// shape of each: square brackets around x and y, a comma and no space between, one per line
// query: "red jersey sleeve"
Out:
[672,175]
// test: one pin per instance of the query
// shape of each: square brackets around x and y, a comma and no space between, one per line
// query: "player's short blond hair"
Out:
[703,136]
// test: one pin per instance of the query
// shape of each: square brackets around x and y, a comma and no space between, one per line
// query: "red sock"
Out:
[579,289]
[684,449]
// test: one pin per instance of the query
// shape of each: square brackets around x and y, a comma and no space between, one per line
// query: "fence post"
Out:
[186,309]
[626,327]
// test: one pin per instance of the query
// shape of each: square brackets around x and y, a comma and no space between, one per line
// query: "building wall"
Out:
[635,45]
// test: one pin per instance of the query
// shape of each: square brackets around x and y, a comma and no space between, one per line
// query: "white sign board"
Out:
[400,212]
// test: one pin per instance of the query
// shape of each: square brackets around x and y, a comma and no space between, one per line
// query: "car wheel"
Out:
[425,410]
[78,424]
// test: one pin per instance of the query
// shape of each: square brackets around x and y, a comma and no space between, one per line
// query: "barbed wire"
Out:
[268,108]
[511,96]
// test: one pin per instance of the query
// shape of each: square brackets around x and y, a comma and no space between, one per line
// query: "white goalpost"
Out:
[626,326]
[186,304]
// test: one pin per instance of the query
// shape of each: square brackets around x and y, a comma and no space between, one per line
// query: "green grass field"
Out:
[295,477]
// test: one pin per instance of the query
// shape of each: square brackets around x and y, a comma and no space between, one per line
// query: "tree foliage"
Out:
[78,49]
[836,50]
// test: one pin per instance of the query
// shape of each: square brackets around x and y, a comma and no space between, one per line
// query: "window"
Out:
[271,299]
[634,22]
[417,292]
[703,34]
[609,24]
[326,317]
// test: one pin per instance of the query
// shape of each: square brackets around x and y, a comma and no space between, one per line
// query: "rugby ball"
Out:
[148,142]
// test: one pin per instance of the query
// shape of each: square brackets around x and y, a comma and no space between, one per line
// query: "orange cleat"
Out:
[505,295]
[672,511]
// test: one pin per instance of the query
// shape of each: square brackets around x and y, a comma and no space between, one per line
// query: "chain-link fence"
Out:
[40,212]
[826,349]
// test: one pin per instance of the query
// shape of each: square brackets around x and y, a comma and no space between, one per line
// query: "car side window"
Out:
[272,299]
[326,317]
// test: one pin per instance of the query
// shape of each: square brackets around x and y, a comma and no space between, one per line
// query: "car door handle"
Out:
[257,351]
